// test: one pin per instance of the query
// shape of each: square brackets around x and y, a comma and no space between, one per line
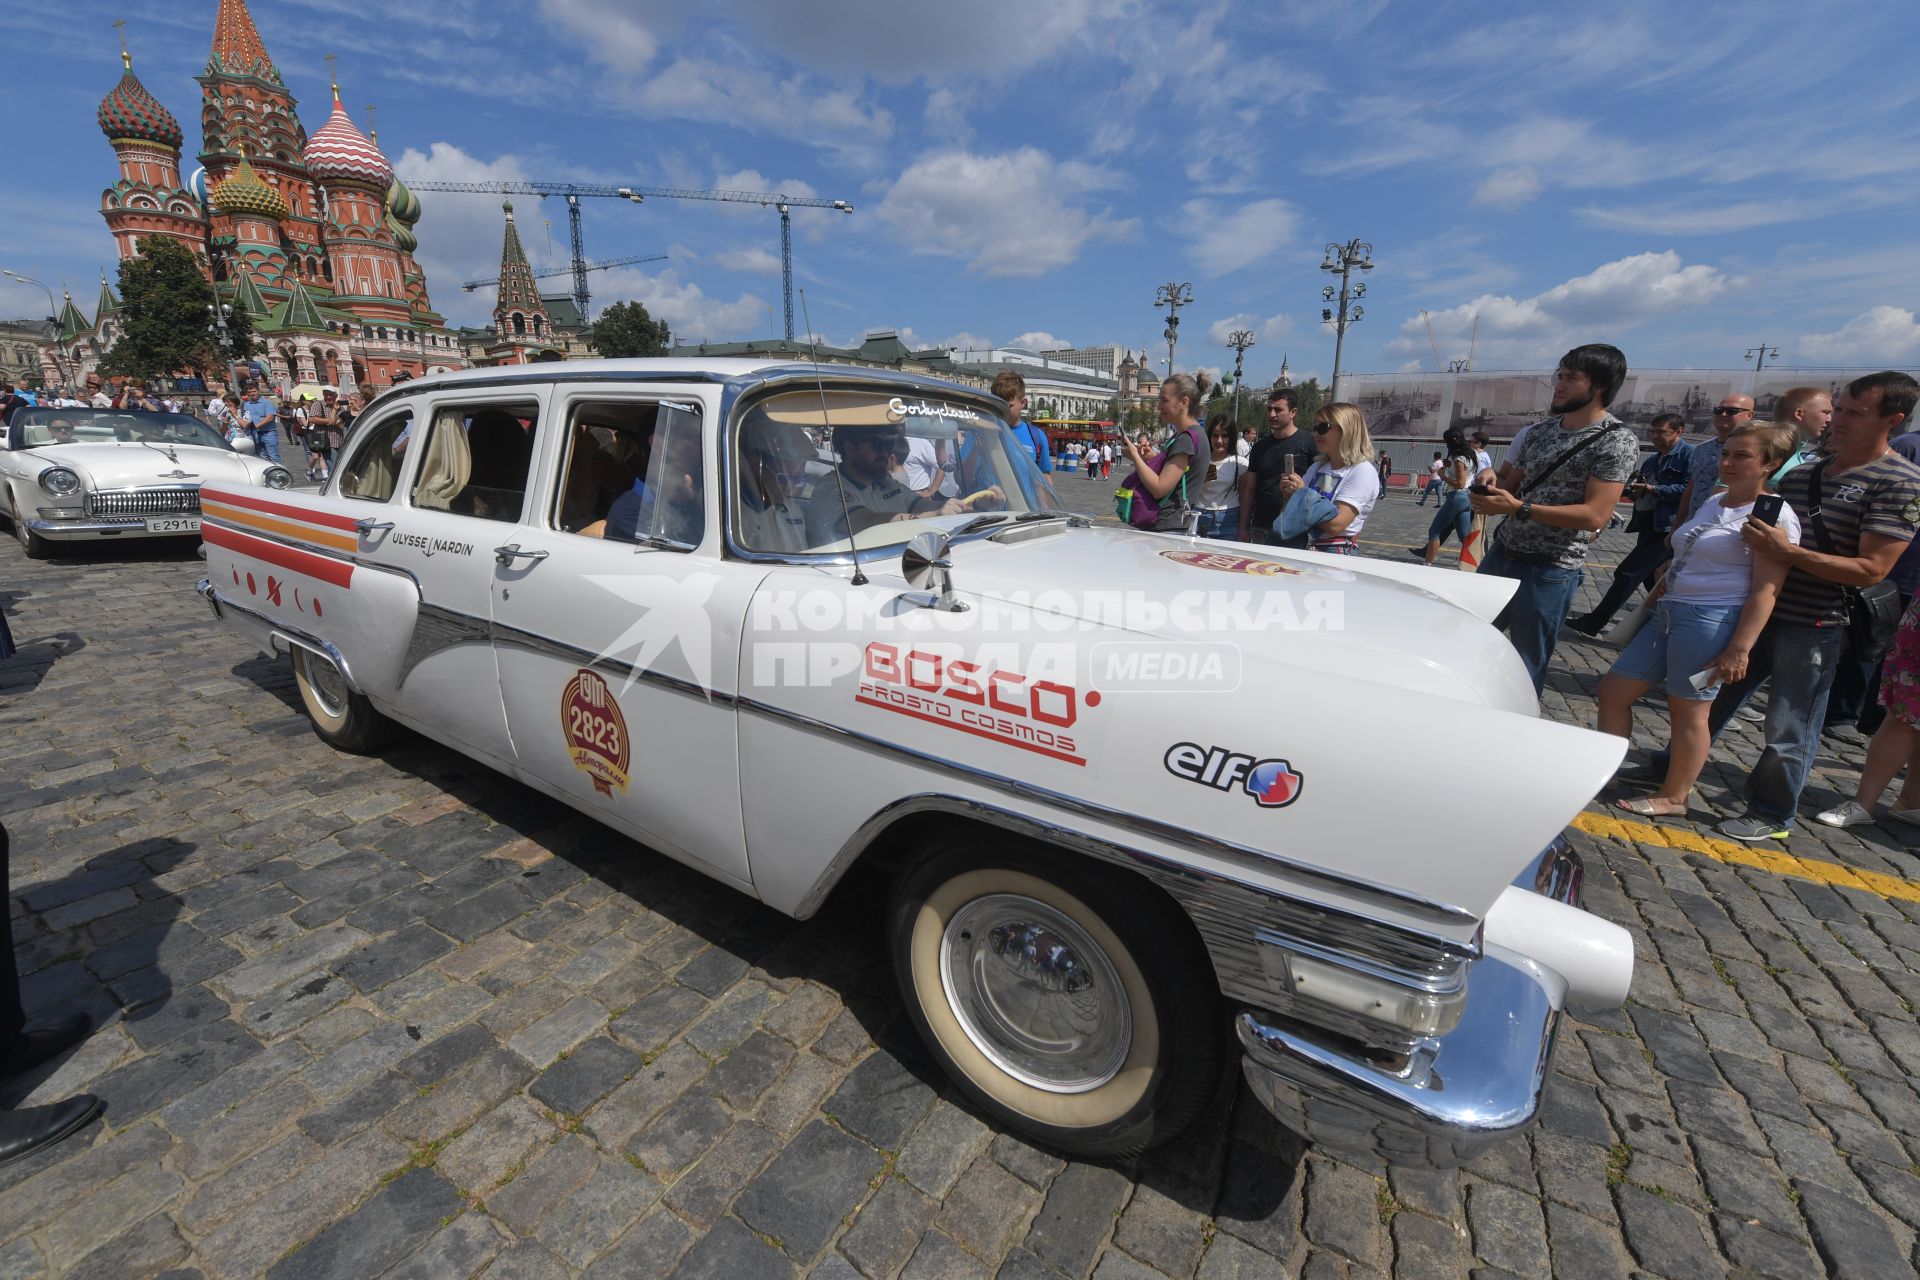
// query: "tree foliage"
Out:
[625,329]
[165,310]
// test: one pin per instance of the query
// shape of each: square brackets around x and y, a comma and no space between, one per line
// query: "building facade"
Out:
[313,236]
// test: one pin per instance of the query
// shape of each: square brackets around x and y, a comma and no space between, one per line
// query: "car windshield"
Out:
[38,428]
[832,470]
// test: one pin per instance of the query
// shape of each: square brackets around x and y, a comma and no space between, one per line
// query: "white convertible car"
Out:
[1144,801]
[74,474]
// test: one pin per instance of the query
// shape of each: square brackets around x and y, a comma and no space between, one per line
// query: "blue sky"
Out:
[1685,180]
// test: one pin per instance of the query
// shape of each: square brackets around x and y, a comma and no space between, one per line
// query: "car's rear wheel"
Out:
[343,718]
[36,547]
[1068,999]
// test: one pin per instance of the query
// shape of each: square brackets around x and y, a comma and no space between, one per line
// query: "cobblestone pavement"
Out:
[398,1016]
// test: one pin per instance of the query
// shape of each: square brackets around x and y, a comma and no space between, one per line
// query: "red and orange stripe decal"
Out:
[325,569]
[285,519]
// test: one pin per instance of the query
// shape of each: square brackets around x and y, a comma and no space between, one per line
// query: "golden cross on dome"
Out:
[373,126]
[333,75]
[126,59]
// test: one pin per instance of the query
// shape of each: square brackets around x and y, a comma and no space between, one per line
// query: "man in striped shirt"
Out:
[1869,505]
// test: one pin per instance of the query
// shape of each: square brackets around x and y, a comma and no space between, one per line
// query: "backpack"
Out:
[1135,506]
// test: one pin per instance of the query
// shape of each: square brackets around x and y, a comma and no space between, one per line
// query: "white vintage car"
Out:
[74,474]
[1140,797]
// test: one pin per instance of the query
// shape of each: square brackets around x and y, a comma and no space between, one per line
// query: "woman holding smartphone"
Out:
[1345,475]
[1710,606]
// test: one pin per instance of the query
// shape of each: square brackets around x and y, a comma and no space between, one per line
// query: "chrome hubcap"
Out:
[1035,993]
[329,687]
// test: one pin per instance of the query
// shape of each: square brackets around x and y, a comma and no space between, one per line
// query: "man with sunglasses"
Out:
[873,494]
[1703,469]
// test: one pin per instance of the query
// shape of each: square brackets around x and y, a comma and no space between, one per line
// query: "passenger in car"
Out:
[676,483]
[773,471]
[502,453]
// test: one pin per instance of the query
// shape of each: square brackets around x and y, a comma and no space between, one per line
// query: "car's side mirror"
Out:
[927,570]
[242,444]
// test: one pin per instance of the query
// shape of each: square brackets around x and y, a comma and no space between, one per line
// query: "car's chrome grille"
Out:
[173,500]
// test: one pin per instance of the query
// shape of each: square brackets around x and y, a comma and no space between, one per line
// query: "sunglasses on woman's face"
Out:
[1321,428]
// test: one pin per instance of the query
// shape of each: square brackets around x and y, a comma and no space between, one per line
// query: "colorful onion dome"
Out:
[402,203]
[403,237]
[339,152]
[242,191]
[131,112]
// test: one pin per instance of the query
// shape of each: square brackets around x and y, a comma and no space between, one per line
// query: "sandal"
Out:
[1643,807]
[1911,817]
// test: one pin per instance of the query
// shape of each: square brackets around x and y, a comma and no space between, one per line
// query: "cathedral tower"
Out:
[148,199]
[520,320]
[363,259]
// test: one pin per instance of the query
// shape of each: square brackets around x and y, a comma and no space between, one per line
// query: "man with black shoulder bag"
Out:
[1557,490]
[1858,507]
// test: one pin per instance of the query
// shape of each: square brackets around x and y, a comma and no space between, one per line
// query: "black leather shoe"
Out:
[25,1131]
[1587,625]
[44,1044]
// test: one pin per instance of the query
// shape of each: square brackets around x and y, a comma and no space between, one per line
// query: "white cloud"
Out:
[1038,340]
[965,341]
[751,98]
[753,261]
[460,235]
[692,314]
[1223,241]
[1012,214]
[1881,334]
[1713,219]
[1508,188]
[1614,296]
[1267,330]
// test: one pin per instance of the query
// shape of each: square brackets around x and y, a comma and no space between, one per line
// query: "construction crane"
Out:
[471,285]
[573,191]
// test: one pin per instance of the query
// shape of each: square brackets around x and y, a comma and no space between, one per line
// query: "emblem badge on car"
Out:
[1273,784]
[595,731]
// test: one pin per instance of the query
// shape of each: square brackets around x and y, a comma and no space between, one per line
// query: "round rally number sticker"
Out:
[595,731]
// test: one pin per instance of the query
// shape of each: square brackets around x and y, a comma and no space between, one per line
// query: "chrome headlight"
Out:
[61,482]
[277,478]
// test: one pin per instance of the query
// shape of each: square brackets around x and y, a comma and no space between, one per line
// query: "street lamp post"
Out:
[217,313]
[1343,260]
[53,317]
[1239,340]
[1172,297]
[1759,355]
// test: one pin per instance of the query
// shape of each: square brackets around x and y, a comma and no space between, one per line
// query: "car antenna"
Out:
[840,479]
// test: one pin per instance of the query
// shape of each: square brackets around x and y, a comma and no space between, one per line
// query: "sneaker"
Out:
[1752,829]
[1847,813]
[1752,714]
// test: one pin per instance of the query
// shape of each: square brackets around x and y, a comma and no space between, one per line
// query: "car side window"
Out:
[374,470]
[635,472]
[476,459]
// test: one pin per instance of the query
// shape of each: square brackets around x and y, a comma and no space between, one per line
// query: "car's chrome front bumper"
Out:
[1452,1096]
[62,530]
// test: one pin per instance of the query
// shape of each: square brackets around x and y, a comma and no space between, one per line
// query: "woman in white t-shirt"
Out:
[1710,606]
[1345,475]
[1219,500]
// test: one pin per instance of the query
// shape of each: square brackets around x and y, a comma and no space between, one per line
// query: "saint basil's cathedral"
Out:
[312,235]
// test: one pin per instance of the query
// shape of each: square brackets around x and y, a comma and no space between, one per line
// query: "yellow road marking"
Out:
[1760,857]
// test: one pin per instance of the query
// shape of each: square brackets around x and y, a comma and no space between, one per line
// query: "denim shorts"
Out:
[1678,641]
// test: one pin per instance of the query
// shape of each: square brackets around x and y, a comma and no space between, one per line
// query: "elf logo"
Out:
[1273,784]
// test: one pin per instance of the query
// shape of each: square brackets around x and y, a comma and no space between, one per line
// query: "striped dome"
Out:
[402,203]
[339,152]
[131,112]
[242,192]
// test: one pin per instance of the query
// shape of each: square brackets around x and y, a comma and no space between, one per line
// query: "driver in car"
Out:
[61,430]
[774,469]
[873,493]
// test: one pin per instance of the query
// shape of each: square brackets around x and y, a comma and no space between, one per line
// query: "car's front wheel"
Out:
[36,547]
[1069,1000]
[343,718]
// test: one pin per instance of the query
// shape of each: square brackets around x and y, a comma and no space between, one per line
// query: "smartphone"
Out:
[1286,464]
[1766,508]
[1477,487]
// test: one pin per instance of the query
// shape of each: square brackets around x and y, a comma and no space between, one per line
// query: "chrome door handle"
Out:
[505,556]
[372,526]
